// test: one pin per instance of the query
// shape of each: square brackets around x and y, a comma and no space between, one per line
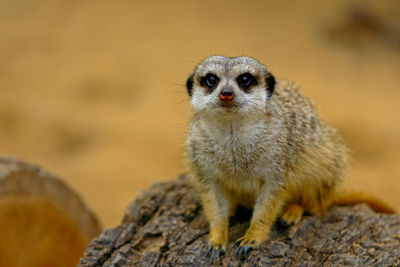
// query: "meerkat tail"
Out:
[352,198]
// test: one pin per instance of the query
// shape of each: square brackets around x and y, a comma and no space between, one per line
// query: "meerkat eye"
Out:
[210,81]
[245,80]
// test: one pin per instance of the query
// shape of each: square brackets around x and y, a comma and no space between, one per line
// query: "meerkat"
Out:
[258,142]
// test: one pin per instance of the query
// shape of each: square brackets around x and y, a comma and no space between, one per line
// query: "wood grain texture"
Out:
[165,226]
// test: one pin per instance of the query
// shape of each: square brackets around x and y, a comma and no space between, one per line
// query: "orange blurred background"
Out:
[94,90]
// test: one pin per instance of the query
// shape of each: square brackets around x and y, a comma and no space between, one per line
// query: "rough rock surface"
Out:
[165,226]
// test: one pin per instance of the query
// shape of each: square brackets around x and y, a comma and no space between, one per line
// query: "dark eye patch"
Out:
[210,81]
[189,85]
[245,81]
[270,82]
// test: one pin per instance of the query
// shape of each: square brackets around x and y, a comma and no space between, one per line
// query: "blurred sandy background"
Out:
[94,90]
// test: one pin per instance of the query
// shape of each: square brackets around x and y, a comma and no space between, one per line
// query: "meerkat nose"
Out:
[226,94]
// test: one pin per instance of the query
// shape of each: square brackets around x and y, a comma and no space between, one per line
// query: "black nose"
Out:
[226,95]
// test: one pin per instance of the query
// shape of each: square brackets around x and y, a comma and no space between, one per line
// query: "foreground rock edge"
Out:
[165,226]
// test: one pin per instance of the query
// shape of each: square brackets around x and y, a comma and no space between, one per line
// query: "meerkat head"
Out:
[230,85]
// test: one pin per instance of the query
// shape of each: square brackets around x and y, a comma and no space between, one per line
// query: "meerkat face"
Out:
[230,85]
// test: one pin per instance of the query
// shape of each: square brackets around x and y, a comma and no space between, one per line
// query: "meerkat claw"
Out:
[215,253]
[244,247]
[209,250]
[242,252]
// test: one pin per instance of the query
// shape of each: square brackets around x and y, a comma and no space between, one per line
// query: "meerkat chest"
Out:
[234,150]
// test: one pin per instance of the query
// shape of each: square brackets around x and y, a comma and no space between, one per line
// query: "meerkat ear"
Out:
[189,85]
[270,82]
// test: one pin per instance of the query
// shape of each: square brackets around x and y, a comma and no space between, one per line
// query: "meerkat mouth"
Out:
[228,106]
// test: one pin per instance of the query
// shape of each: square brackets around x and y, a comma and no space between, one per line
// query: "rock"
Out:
[165,226]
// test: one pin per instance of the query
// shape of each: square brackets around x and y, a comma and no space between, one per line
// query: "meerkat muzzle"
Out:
[226,95]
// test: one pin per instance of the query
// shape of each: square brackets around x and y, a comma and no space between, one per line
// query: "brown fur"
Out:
[269,152]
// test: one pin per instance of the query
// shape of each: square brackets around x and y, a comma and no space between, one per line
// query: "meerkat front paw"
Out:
[218,239]
[215,251]
[245,245]
[292,214]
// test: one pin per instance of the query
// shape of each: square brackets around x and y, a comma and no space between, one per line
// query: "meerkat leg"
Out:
[292,213]
[216,207]
[319,200]
[233,207]
[266,210]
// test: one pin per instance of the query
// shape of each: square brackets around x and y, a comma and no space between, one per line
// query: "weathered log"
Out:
[165,226]
[43,221]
